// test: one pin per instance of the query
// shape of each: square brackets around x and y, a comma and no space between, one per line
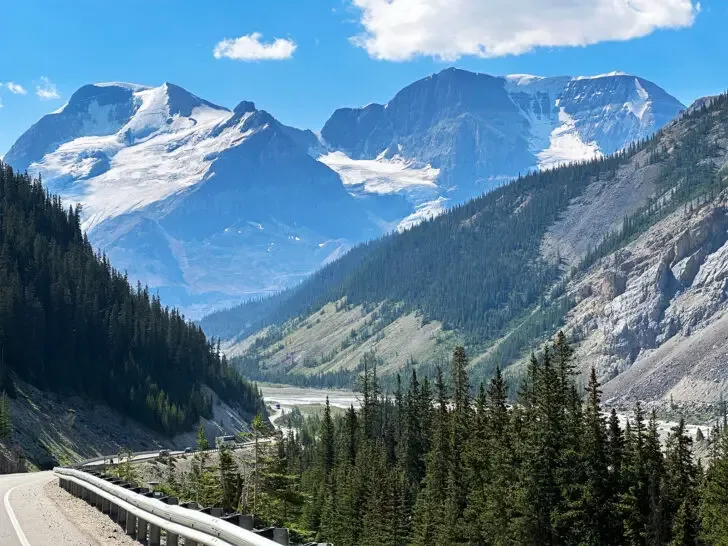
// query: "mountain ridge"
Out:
[648,275]
[185,194]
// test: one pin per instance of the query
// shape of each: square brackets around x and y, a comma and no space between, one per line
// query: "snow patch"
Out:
[607,75]
[150,158]
[424,211]
[566,145]
[381,175]
[639,106]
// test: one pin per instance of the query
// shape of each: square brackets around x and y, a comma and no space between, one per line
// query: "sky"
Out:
[302,59]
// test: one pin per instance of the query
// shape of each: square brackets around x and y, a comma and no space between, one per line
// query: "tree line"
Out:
[72,324]
[433,465]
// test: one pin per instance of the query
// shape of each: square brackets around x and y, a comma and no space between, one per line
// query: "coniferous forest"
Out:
[433,465]
[71,323]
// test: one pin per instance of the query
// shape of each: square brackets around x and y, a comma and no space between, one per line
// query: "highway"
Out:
[28,517]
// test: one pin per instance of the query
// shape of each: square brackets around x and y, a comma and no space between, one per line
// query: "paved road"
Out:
[29,518]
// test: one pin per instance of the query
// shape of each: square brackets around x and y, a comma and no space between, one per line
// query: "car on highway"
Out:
[188,450]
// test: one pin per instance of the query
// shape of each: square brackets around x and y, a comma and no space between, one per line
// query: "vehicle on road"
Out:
[225,441]
[188,450]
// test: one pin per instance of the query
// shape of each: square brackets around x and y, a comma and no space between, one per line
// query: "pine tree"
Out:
[431,506]
[327,440]
[615,457]
[202,443]
[714,496]
[460,423]
[681,475]
[230,482]
[658,531]
[635,499]
[6,425]
[596,504]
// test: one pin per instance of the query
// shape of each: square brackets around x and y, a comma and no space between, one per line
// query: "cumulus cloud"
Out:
[16,88]
[47,89]
[250,48]
[399,30]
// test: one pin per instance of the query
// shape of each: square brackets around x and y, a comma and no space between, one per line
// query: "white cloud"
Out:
[250,48]
[47,89]
[399,30]
[16,88]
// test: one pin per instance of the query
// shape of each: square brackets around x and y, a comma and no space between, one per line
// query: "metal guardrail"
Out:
[145,517]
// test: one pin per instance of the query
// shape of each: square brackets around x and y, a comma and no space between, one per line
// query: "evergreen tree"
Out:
[229,476]
[714,496]
[202,443]
[327,440]
[6,425]
[597,504]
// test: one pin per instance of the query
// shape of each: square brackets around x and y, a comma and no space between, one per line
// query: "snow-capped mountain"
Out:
[476,131]
[210,206]
[206,205]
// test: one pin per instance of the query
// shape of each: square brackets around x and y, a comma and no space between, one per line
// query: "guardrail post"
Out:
[130,524]
[113,511]
[172,538]
[191,506]
[246,521]
[141,530]
[280,535]
[155,535]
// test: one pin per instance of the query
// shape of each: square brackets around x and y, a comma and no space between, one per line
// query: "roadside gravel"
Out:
[87,519]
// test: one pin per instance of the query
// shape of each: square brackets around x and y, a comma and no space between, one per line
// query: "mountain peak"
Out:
[244,107]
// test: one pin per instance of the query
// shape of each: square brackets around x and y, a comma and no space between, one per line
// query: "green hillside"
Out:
[70,323]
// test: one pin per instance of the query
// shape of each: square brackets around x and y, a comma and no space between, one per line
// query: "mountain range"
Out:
[625,253]
[211,206]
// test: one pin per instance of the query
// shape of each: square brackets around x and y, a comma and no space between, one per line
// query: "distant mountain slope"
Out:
[575,247]
[72,325]
[211,206]
[204,204]
[479,130]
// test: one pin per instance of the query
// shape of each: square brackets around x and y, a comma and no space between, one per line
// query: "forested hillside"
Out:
[475,267]
[72,324]
[484,270]
[432,464]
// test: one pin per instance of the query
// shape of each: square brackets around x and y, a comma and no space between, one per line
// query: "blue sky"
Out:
[53,47]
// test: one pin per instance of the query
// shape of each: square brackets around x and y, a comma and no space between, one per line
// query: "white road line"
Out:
[18,531]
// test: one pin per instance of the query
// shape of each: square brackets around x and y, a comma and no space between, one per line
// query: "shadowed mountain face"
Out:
[479,129]
[206,205]
[210,206]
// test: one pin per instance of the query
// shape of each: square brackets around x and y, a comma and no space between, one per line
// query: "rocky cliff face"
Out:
[651,316]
